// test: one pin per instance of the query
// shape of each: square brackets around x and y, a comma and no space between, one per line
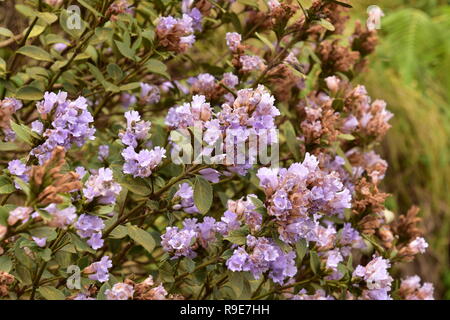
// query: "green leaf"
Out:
[314,262]
[26,10]
[149,34]
[326,24]
[341,3]
[203,194]
[238,236]
[37,30]
[5,263]
[346,136]
[29,93]
[114,72]
[135,185]
[44,232]
[125,50]
[252,3]
[130,86]
[35,53]
[291,139]
[6,32]
[46,254]
[90,8]
[265,41]
[80,245]
[157,67]
[22,132]
[119,232]
[301,247]
[47,17]
[141,237]
[51,293]
[236,282]
[2,65]
[6,185]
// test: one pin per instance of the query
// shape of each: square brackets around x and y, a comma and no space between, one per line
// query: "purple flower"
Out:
[251,63]
[61,218]
[70,125]
[19,214]
[141,164]
[19,169]
[418,245]
[210,174]
[137,129]
[318,295]
[149,94]
[120,291]
[175,34]
[40,241]
[96,241]
[99,270]
[102,187]
[412,290]
[37,127]
[375,274]
[59,46]
[80,171]
[103,152]
[89,226]
[186,194]
[238,260]
[127,100]
[196,16]
[263,255]
[178,242]
[233,40]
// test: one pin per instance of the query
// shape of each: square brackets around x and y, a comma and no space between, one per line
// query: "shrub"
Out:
[105,196]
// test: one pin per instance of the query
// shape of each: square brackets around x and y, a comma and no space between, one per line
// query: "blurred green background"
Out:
[411,71]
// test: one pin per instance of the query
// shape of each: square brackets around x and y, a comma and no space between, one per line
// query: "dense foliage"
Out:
[102,198]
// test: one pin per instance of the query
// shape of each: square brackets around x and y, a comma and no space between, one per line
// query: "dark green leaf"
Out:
[203,194]
[35,53]
[141,237]
[51,293]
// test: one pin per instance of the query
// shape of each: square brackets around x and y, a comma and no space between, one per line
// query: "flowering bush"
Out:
[103,198]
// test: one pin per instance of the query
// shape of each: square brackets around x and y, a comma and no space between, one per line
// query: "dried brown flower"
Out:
[48,181]
[6,280]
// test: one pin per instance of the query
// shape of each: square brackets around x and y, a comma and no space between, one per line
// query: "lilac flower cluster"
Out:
[411,289]
[183,242]
[377,278]
[102,187]
[19,214]
[120,291]
[240,212]
[89,226]
[139,164]
[299,196]
[262,255]
[185,194]
[176,34]
[98,271]
[8,106]
[149,94]
[19,169]
[251,113]
[103,152]
[70,123]
[61,218]
[251,63]
[318,295]
[233,40]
